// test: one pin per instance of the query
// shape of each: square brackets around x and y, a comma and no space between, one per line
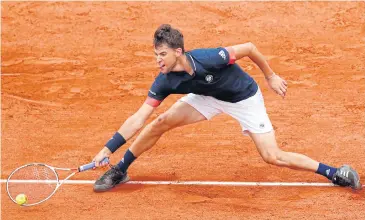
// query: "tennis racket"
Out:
[39,181]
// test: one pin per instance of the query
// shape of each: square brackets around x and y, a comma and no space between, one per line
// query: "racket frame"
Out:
[54,170]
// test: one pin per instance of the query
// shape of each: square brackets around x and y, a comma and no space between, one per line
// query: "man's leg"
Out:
[251,113]
[267,146]
[180,114]
[189,109]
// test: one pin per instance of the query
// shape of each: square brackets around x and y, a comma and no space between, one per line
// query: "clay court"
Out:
[72,72]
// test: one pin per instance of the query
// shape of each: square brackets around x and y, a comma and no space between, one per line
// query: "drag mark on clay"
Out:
[53,104]
[41,61]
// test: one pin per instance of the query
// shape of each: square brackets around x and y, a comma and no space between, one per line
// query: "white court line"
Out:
[204,183]
[190,1]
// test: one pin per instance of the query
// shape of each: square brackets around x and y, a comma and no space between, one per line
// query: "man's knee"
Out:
[161,124]
[272,157]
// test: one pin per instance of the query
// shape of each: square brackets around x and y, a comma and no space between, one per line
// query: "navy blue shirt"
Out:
[215,74]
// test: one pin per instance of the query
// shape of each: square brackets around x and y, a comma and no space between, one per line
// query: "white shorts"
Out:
[250,113]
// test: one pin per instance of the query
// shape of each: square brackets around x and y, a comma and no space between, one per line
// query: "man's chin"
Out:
[164,70]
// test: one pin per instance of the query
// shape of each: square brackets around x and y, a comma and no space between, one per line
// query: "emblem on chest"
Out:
[209,78]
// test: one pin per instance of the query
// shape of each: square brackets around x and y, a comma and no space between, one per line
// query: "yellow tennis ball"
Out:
[21,199]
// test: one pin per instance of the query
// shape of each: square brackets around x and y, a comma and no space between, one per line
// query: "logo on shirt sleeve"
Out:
[222,54]
[153,93]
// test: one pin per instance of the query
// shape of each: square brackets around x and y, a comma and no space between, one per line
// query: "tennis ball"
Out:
[21,199]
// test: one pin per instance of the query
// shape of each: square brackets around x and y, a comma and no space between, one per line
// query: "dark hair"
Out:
[165,34]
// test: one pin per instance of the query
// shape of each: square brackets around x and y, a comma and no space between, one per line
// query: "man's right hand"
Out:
[105,152]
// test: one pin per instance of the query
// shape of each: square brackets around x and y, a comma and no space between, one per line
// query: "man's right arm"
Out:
[129,128]
[135,122]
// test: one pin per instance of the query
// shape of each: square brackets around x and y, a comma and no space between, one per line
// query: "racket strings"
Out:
[37,182]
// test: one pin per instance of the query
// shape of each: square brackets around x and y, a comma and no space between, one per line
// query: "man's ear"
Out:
[178,52]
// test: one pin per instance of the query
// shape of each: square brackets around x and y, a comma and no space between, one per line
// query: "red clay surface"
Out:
[74,71]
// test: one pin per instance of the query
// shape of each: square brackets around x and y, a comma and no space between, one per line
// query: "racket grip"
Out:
[92,165]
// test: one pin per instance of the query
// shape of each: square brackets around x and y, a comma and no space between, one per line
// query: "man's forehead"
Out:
[161,48]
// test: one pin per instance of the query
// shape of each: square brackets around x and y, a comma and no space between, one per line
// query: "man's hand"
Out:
[105,152]
[277,84]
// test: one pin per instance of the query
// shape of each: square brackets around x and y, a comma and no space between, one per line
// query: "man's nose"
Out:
[158,59]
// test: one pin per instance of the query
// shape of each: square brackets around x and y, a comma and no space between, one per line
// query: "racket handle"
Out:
[91,165]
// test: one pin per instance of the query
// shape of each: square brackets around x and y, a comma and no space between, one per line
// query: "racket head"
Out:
[37,181]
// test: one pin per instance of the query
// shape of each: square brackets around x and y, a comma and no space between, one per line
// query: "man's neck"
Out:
[183,64]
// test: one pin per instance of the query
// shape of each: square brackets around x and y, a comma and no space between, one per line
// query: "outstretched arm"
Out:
[135,122]
[249,50]
[129,128]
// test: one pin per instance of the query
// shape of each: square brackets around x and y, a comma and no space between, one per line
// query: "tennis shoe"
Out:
[110,179]
[347,177]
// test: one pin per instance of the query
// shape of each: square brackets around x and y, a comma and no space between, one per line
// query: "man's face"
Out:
[166,57]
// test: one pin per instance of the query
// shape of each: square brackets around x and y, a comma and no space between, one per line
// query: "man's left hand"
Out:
[279,85]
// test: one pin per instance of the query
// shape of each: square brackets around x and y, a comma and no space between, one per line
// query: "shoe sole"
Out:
[104,188]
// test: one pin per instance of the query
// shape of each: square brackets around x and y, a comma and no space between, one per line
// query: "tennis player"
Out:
[214,84]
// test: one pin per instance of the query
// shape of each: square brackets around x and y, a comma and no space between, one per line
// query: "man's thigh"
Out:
[205,105]
[180,114]
[265,142]
[250,113]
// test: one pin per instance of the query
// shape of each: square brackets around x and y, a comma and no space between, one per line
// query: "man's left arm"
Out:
[249,50]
